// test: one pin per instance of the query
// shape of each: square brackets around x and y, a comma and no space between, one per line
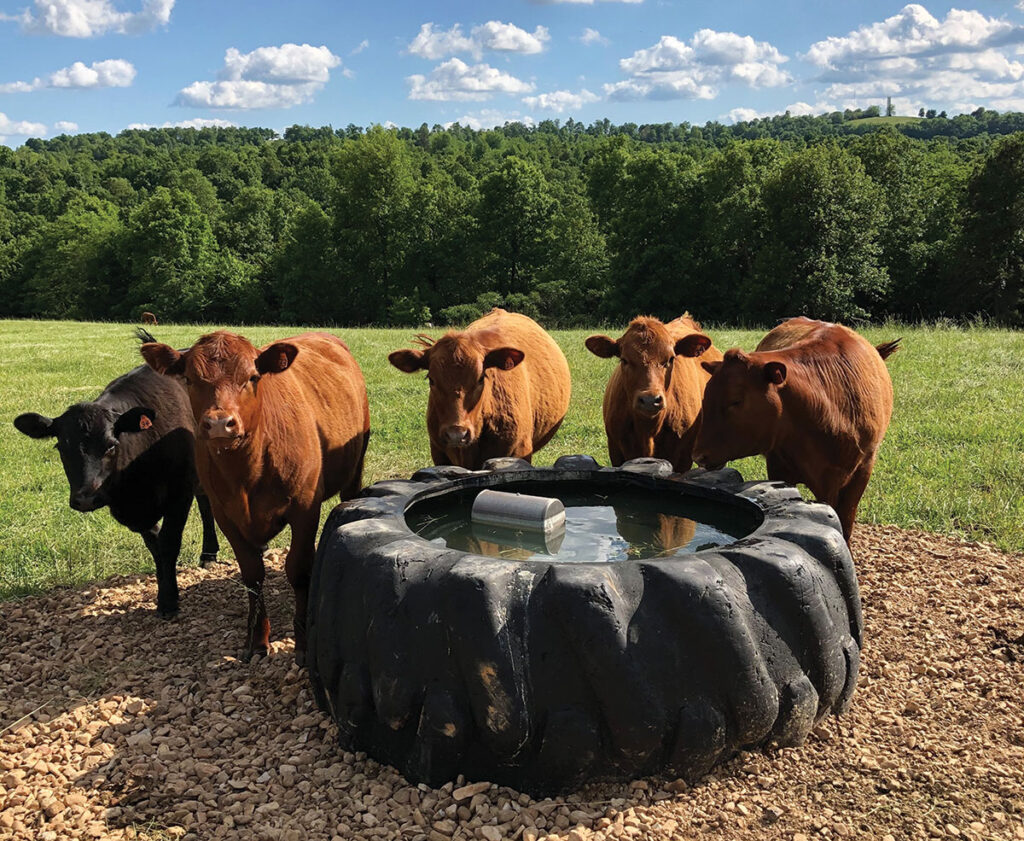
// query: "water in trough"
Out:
[602,524]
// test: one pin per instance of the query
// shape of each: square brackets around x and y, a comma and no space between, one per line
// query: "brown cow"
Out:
[148,318]
[815,399]
[498,388]
[653,397]
[279,430]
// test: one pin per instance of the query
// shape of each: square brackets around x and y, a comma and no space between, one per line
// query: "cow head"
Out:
[742,408]
[647,353]
[88,439]
[460,369]
[222,372]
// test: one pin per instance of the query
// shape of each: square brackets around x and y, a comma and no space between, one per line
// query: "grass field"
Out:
[953,460]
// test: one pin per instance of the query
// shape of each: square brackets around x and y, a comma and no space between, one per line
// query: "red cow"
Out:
[653,398]
[498,388]
[148,318]
[279,430]
[815,399]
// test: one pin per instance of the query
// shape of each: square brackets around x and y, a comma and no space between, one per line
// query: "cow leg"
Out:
[850,494]
[151,537]
[211,546]
[169,547]
[298,567]
[253,573]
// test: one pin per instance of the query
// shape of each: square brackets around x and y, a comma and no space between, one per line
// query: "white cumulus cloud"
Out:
[267,77]
[456,80]
[489,118]
[561,100]
[916,57]
[289,64]
[88,18]
[914,31]
[113,73]
[65,125]
[797,109]
[592,36]
[677,69]
[494,35]
[197,122]
[19,128]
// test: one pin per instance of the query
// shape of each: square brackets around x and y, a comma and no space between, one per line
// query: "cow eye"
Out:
[255,378]
[481,380]
[188,382]
[111,450]
[625,363]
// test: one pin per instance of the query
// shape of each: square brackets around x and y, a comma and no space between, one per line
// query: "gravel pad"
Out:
[116,724]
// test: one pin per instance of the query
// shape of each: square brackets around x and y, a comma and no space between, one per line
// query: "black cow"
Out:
[132,449]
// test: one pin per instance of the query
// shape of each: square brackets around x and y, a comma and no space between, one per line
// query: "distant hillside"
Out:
[884,121]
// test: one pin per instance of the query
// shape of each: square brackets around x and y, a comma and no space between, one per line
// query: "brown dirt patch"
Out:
[115,724]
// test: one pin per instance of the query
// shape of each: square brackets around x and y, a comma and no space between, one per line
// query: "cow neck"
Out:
[809,414]
[648,426]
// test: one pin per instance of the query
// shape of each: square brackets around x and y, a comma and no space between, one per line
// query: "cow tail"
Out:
[887,349]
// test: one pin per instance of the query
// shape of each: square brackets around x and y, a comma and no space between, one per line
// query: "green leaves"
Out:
[833,216]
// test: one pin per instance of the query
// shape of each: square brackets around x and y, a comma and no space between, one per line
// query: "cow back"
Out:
[314,417]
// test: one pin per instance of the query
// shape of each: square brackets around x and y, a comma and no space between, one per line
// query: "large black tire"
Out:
[541,675]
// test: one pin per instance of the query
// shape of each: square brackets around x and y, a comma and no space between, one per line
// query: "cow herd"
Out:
[263,436]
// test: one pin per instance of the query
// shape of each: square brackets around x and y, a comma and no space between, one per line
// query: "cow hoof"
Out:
[251,655]
[167,613]
[539,674]
[207,558]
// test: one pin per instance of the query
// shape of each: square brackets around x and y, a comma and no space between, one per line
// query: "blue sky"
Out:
[106,65]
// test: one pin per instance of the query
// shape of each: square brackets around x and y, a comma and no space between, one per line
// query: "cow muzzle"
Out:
[707,463]
[221,425]
[458,436]
[650,404]
[87,500]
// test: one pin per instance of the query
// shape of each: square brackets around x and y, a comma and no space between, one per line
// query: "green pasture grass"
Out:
[952,462]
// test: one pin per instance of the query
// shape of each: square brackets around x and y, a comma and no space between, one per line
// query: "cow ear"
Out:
[163,359]
[602,346]
[34,425]
[503,358]
[138,419]
[711,367]
[775,372]
[693,345]
[276,358]
[409,361]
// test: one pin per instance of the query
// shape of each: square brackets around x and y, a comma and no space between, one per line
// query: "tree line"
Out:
[826,216]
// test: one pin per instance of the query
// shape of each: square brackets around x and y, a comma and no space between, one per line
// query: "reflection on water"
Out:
[625,523]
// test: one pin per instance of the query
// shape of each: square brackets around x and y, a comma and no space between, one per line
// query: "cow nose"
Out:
[650,402]
[84,500]
[221,425]
[457,436]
